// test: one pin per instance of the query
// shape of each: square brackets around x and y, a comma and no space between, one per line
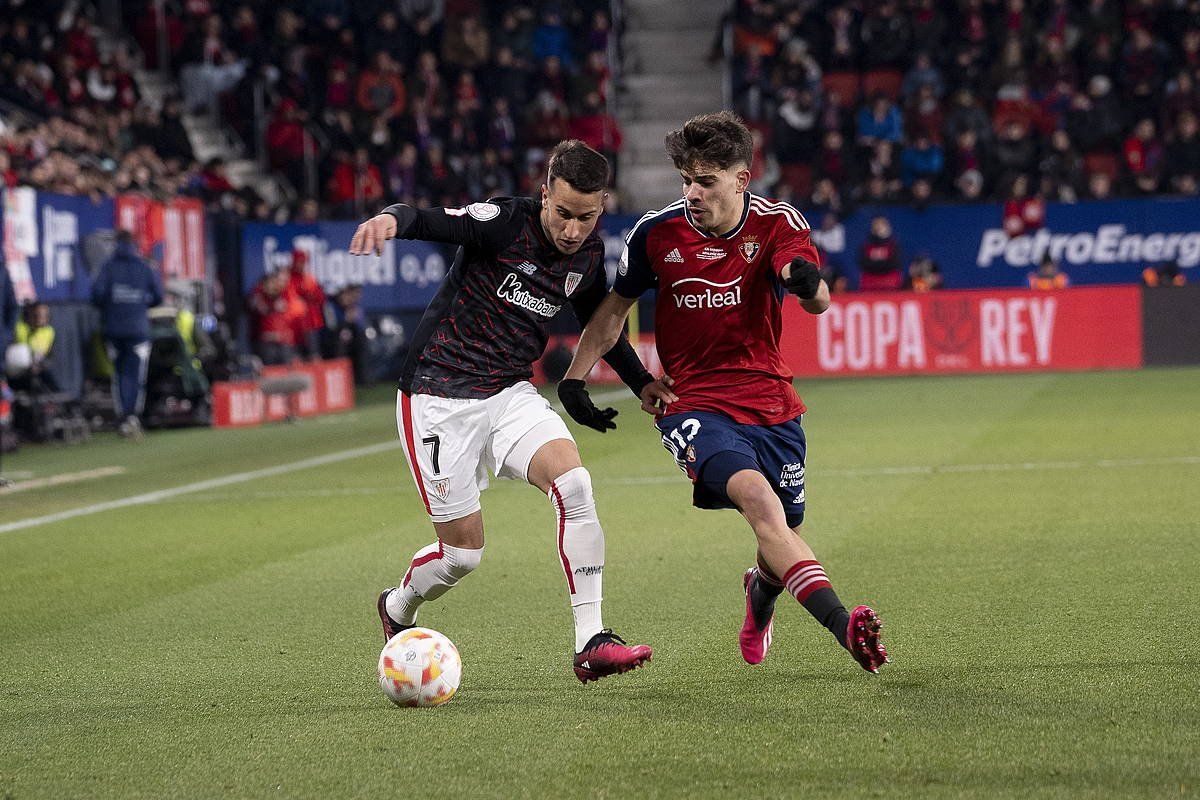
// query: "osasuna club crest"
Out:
[749,248]
[573,279]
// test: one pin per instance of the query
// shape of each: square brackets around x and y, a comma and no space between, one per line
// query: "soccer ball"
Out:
[419,667]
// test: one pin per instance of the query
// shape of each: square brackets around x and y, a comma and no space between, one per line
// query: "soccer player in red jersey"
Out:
[722,260]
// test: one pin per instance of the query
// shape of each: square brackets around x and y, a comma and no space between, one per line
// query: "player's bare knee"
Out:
[756,501]
[551,462]
[464,532]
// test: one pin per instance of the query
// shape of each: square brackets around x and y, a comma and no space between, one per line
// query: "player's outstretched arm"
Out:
[600,334]
[803,278]
[487,226]
[370,236]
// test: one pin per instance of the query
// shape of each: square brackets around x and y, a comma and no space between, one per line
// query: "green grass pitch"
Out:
[1030,541]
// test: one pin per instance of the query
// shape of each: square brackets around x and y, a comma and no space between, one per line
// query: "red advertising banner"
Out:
[967,331]
[142,217]
[902,333]
[240,404]
[183,239]
[171,233]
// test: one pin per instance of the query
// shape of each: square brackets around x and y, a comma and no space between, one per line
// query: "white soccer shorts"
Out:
[450,443]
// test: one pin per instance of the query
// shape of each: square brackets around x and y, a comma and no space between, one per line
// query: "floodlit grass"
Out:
[1038,582]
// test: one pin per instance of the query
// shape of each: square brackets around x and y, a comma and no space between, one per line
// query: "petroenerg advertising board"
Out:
[1093,242]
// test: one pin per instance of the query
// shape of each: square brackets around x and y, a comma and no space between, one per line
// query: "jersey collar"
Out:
[728,234]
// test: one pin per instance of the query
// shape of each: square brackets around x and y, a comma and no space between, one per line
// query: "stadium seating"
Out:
[1055,97]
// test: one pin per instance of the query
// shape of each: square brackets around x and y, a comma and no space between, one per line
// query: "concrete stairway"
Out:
[210,139]
[666,79]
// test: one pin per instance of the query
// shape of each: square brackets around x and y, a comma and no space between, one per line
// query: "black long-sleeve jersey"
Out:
[489,321]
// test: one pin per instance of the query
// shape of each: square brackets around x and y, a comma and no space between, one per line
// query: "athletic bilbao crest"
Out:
[441,488]
[573,279]
[749,248]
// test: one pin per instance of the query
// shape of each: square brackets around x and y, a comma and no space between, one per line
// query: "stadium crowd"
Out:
[1012,100]
[73,121]
[422,101]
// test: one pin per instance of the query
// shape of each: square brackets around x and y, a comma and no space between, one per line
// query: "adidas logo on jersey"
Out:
[674,257]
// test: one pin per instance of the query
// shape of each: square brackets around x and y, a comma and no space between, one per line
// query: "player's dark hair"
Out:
[719,139]
[579,165]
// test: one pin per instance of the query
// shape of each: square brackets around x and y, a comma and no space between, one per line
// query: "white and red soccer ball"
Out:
[419,667]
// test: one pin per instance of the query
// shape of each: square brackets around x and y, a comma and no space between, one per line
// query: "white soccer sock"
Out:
[581,548]
[433,571]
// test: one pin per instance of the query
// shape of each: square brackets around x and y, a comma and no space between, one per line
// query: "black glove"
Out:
[804,278]
[575,400]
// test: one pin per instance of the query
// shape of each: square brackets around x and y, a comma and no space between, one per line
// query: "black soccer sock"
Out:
[764,589]
[807,582]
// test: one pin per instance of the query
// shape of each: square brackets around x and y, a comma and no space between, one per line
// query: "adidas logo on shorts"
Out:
[674,257]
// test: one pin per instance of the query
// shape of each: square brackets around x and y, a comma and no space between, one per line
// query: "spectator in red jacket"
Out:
[381,89]
[879,259]
[1143,157]
[356,185]
[286,141]
[285,134]
[1023,213]
[274,336]
[306,306]
[596,128]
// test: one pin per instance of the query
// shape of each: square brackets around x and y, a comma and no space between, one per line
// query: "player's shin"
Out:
[581,549]
[434,570]
[807,582]
[766,587]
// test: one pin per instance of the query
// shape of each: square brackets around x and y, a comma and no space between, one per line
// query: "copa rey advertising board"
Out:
[405,277]
[967,331]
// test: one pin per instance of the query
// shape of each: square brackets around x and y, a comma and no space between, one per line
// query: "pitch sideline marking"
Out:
[199,486]
[1107,463]
[216,483]
[60,479]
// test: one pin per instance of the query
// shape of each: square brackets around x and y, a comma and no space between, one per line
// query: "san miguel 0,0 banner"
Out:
[967,331]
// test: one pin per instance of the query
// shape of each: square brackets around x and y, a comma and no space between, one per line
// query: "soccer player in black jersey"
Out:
[466,405]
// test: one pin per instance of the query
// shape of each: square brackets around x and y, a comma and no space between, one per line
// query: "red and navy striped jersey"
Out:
[489,321]
[719,311]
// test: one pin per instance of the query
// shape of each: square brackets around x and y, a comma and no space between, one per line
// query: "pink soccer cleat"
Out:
[607,654]
[754,641]
[862,639]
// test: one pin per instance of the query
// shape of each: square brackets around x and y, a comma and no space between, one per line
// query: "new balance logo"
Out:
[527,268]
[674,257]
